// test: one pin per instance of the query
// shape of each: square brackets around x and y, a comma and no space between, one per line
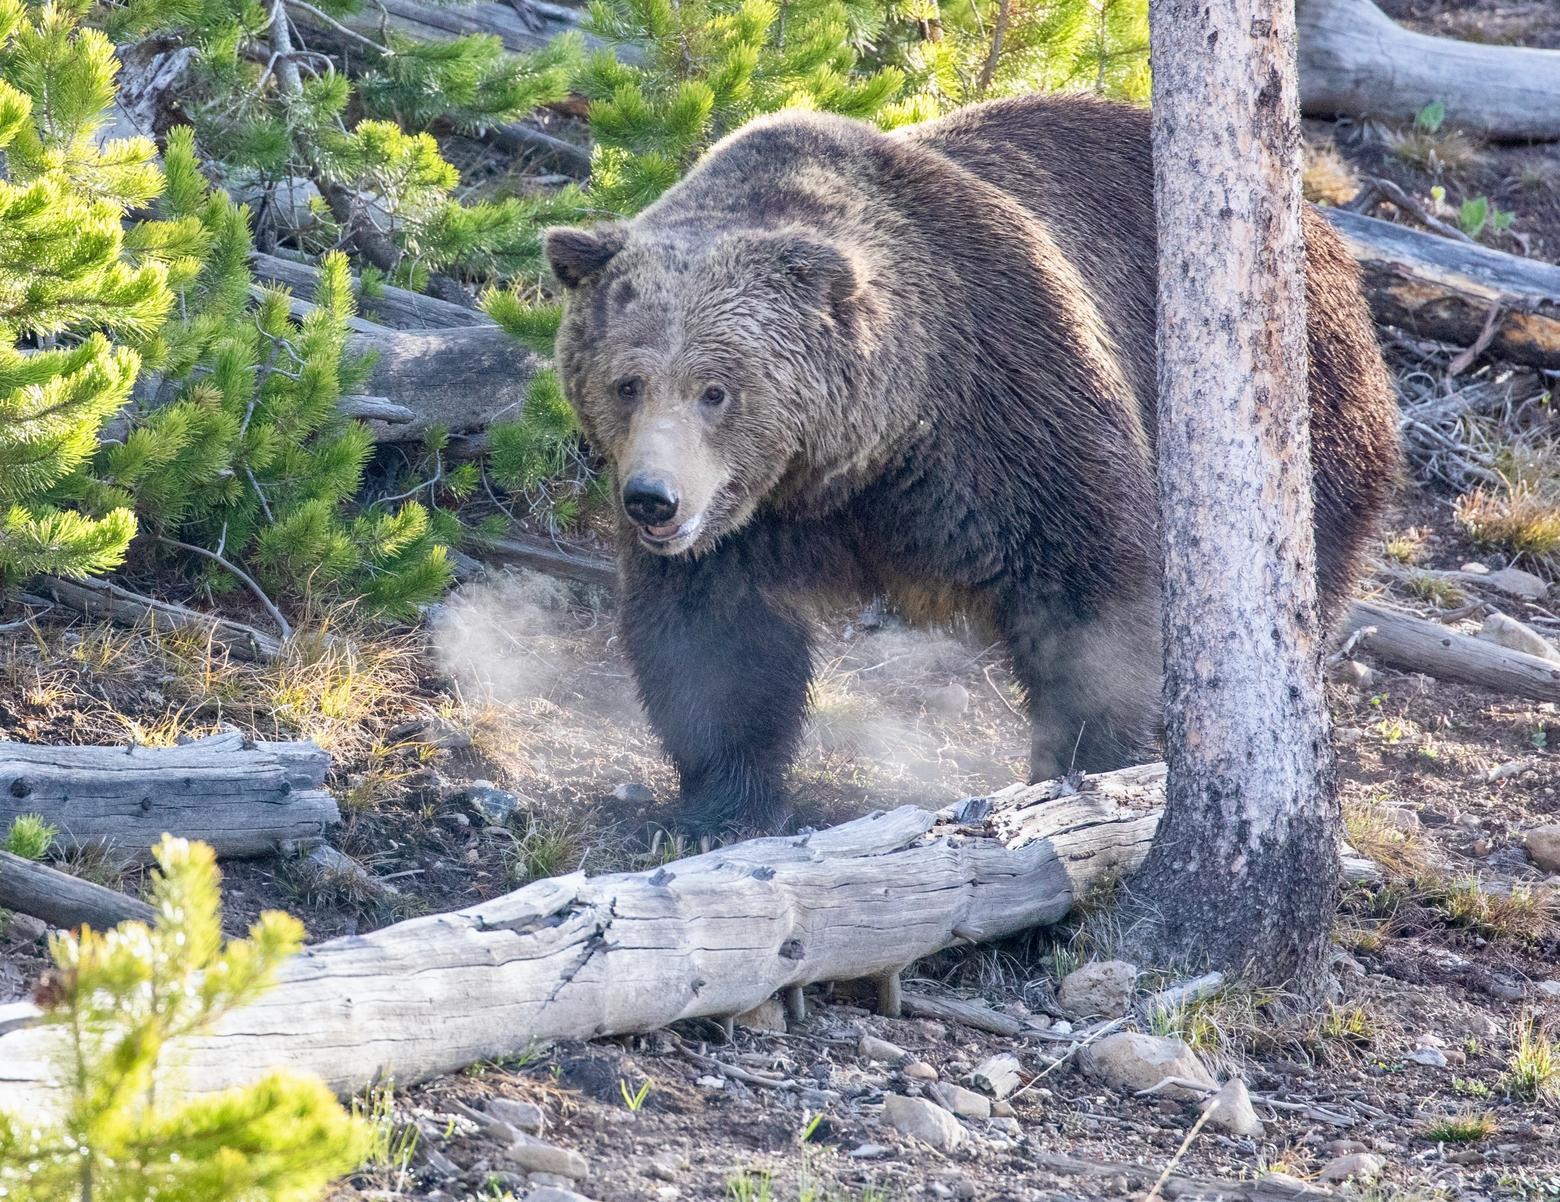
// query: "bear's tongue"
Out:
[665,530]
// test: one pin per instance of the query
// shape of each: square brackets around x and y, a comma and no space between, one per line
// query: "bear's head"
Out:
[700,363]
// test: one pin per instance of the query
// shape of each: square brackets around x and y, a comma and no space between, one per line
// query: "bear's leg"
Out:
[723,672]
[1093,690]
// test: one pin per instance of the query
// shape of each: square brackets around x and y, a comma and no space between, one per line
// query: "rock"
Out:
[553,1193]
[997,1075]
[342,866]
[965,1103]
[1354,675]
[1432,1057]
[665,1167]
[1001,1109]
[867,1152]
[768,1015]
[919,1070]
[1008,1126]
[1402,818]
[950,700]
[1518,583]
[881,1050]
[1361,1165]
[631,792]
[494,804]
[548,1179]
[535,1156]
[1543,846]
[1517,636]
[1547,989]
[920,1119]
[1231,1110]
[24,928]
[1345,1147]
[1129,1061]
[1102,989]
[441,1164]
[1475,569]
[522,1116]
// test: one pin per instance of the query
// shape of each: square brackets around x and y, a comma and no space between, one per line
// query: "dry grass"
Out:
[1520,914]
[1533,1067]
[1433,590]
[1521,518]
[1435,151]
[1371,831]
[1327,177]
[1407,547]
[1222,1027]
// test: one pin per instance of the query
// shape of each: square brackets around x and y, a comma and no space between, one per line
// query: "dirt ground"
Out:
[502,743]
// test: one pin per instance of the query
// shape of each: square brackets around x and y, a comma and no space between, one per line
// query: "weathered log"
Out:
[459,379]
[62,900]
[104,599]
[520,27]
[1417,645]
[1438,288]
[392,307]
[243,798]
[1356,61]
[976,1015]
[527,552]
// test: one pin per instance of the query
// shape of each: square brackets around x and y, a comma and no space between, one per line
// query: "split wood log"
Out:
[62,900]
[711,935]
[998,1075]
[1436,288]
[243,798]
[104,599]
[1417,645]
[1356,61]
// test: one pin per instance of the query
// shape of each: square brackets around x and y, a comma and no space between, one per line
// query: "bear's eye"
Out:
[628,390]
[714,395]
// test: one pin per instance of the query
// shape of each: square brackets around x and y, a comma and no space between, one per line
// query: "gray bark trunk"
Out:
[1357,62]
[1244,868]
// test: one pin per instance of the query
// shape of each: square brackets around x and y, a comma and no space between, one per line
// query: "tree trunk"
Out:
[1244,868]
[1355,61]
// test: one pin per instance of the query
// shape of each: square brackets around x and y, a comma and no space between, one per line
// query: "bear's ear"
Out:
[818,265]
[575,254]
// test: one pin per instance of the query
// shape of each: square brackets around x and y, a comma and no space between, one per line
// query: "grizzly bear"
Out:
[838,361]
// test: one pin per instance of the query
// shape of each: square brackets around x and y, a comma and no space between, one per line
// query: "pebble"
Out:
[867,1152]
[1355,675]
[441,1164]
[712,1082]
[632,792]
[1518,583]
[919,1070]
[534,1156]
[1102,989]
[1543,846]
[24,928]
[522,1116]
[1231,1110]
[768,1015]
[1363,1165]
[664,1167]
[1129,1061]
[1433,1057]
[553,1193]
[881,1050]
[1001,1109]
[920,1119]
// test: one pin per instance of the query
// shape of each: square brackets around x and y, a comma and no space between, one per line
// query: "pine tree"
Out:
[119,998]
[76,295]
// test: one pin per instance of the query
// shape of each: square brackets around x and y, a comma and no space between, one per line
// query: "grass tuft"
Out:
[1533,1068]
[1467,1128]
[1520,518]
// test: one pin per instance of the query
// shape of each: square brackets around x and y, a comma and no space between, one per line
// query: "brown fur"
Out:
[934,356]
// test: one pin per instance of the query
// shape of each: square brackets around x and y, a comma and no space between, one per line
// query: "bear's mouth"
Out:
[670,537]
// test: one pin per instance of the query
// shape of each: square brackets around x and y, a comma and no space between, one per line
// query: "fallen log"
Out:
[389,306]
[1437,288]
[582,566]
[244,798]
[461,380]
[62,900]
[1417,645]
[1356,61]
[520,27]
[713,935]
[104,599]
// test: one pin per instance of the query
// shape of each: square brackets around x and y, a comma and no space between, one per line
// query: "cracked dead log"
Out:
[1438,288]
[242,797]
[62,900]
[1356,61]
[1414,644]
[105,599]
[392,307]
[712,935]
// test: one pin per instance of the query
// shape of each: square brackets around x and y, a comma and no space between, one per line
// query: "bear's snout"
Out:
[650,500]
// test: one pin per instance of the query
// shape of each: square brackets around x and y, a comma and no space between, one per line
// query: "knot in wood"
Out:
[21,787]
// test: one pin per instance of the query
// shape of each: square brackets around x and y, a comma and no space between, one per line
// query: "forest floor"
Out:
[501,742]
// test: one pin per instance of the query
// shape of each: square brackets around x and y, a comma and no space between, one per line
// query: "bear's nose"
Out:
[650,501]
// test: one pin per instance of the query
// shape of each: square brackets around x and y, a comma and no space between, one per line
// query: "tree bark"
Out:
[243,798]
[1244,870]
[1355,61]
[62,900]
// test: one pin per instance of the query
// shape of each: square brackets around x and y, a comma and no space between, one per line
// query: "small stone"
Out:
[1231,1109]
[1102,989]
[965,1103]
[1543,846]
[522,1116]
[442,1164]
[1548,989]
[664,1167]
[768,1015]
[1361,1165]
[1347,736]
[553,1193]
[1516,636]
[24,928]
[919,1070]
[1002,1109]
[1345,1147]
[920,1119]
[631,792]
[1061,1027]
[867,1152]
[494,804]
[534,1156]
[881,1050]
[708,1082]
[1518,583]
[1402,818]
[950,700]
[548,1179]
[1432,1057]
[1354,675]
[1475,569]
[1008,1125]
[1129,1061]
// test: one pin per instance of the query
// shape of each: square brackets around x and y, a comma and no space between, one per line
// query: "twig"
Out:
[998,34]
[243,577]
[336,26]
[1001,696]
[1186,1143]
[1390,192]
[1486,336]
